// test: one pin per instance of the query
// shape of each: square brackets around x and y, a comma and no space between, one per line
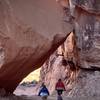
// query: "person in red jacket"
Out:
[60,87]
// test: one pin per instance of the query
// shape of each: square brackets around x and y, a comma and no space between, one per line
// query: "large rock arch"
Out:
[30,30]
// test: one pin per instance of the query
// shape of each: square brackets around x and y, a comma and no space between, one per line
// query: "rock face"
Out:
[86,17]
[56,66]
[88,32]
[87,84]
[86,54]
[87,29]
[29,32]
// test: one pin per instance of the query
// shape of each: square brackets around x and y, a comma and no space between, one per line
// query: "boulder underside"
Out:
[30,31]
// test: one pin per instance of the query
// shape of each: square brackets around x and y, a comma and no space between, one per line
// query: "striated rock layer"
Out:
[86,18]
[30,30]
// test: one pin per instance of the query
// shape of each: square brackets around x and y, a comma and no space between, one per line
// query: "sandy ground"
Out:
[49,98]
[27,93]
[24,90]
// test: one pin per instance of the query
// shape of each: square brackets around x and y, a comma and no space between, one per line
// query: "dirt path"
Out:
[64,98]
[49,98]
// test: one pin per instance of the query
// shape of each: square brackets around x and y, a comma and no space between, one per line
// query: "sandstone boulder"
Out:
[30,30]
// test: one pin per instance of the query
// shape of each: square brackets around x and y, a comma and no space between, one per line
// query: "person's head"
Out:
[43,85]
[59,80]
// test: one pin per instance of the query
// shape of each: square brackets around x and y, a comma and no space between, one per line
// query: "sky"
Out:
[32,76]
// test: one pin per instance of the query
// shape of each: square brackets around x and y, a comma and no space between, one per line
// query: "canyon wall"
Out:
[84,80]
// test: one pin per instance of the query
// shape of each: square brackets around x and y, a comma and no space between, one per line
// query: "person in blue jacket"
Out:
[44,93]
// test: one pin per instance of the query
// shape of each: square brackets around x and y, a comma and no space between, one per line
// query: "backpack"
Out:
[42,94]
